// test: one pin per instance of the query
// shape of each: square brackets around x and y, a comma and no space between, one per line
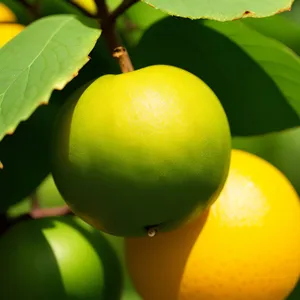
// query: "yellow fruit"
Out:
[282,149]
[246,247]
[8,32]
[88,5]
[6,14]
[140,149]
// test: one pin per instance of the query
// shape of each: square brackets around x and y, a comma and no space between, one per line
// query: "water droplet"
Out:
[152,232]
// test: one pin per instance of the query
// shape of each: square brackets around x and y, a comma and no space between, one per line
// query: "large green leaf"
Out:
[256,78]
[221,10]
[278,27]
[25,156]
[44,57]
[136,20]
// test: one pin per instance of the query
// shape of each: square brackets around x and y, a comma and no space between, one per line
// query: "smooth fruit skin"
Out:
[245,247]
[48,194]
[8,32]
[6,14]
[58,258]
[145,148]
[89,5]
[117,243]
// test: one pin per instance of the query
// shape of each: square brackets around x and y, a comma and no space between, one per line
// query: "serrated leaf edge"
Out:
[245,14]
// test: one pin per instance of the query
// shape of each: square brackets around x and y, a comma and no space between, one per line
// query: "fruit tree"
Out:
[150,149]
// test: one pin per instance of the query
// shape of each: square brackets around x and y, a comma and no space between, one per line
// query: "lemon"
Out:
[8,32]
[141,150]
[6,14]
[246,246]
[89,5]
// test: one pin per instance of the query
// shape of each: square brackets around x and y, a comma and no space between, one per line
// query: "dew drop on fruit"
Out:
[152,232]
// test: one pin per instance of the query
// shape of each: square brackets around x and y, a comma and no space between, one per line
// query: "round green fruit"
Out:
[48,194]
[118,243]
[148,148]
[58,258]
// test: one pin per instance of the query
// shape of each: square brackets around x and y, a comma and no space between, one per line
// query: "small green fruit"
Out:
[58,258]
[148,148]
[48,195]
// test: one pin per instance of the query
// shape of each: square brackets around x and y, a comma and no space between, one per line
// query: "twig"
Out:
[120,53]
[34,201]
[32,8]
[82,10]
[121,9]
[50,212]
[112,38]
[39,213]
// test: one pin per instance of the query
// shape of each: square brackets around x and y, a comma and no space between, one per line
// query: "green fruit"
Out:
[148,148]
[58,258]
[48,194]
[129,292]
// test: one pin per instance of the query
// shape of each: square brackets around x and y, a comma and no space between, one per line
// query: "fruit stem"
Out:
[107,24]
[121,54]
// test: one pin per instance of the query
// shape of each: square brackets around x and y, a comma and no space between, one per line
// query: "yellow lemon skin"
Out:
[6,14]
[89,5]
[8,32]
[246,246]
[145,148]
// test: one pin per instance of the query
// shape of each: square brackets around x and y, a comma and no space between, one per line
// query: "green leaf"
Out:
[25,156]
[221,10]
[44,57]
[136,20]
[256,78]
[278,27]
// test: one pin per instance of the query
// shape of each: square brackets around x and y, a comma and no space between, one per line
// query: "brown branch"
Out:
[121,54]
[34,201]
[82,10]
[39,213]
[112,38]
[121,9]
[32,8]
